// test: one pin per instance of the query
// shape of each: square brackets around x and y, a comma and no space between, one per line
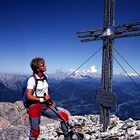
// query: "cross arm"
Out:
[90,34]
[89,30]
[126,25]
[127,35]
[127,30]
[114,32]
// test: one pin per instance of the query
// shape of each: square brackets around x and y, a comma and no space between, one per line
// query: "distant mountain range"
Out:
[78,94]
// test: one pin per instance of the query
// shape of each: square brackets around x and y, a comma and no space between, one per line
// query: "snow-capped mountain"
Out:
[78,95]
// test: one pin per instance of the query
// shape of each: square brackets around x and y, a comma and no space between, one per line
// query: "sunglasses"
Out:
[42,65]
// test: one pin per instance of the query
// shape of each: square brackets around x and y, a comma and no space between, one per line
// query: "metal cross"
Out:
[108,34]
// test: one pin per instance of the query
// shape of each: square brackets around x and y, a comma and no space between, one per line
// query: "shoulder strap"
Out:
[45,77]
[36,82]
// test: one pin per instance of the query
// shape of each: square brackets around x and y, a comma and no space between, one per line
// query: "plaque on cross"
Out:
[106,99]
[108,34]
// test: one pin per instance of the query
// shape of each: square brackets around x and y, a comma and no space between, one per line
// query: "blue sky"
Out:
[46,28]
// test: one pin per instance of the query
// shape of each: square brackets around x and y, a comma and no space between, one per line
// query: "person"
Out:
[40,103]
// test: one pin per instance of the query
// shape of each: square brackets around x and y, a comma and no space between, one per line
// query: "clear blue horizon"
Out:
[47,28]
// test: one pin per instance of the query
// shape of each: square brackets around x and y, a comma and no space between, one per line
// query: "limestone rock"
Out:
[14,125]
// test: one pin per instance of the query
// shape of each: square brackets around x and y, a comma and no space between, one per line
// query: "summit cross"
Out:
[108,34]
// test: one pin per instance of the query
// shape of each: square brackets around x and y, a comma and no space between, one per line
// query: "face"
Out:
[42,66]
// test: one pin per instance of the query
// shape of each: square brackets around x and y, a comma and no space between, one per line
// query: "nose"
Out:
[45,67]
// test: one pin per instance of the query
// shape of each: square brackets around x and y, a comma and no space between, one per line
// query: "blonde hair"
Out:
[35,63]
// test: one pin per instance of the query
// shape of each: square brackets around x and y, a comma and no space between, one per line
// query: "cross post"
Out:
[108,34]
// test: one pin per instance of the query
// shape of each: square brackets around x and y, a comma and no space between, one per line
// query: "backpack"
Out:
[24,94]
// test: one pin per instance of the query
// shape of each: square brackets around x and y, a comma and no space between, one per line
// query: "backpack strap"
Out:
[25,83]
[45,78]
[36,82]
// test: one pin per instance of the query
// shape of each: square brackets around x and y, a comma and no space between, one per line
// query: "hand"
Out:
[47,98]
[54,104]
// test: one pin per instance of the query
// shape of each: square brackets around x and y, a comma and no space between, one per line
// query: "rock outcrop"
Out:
[14,125]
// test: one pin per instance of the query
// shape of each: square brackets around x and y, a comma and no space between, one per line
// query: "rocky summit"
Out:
[14,125]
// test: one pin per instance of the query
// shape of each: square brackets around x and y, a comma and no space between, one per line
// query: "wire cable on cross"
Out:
[55,87]
[126,73]
[76,69]
[13,123]
[127,62]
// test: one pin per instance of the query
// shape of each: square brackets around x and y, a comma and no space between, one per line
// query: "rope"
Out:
[127,62]
[127,73]
[13,122]
[76,69]
[55,88]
